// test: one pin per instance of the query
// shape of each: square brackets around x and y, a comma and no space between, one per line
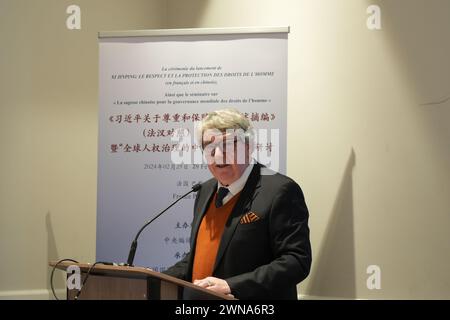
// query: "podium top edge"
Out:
[193,32]
[133,272]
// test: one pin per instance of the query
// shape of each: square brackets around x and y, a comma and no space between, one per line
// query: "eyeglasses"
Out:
[224,146]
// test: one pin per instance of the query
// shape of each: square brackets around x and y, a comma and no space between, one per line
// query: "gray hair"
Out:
[225,119]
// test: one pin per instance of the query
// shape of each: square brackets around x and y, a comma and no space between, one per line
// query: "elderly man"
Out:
[250,234]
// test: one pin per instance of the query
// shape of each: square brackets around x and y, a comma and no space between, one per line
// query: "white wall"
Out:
[48,132]
[373,161]
[371,155]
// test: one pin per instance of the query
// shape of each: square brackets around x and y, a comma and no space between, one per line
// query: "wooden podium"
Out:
[108,282]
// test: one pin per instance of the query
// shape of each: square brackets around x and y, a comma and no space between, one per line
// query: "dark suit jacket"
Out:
[264,259]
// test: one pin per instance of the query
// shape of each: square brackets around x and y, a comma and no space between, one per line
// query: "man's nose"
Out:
[219,157]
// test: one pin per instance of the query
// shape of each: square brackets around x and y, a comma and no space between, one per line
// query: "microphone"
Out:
[133,247]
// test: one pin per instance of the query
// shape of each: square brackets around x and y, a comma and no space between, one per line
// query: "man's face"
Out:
[226,155]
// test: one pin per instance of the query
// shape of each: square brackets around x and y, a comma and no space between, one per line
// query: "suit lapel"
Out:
[242,206]
[203,202]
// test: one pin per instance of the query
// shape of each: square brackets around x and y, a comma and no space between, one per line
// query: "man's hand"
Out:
[214,284]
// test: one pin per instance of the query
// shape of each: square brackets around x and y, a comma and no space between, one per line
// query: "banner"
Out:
[151,86]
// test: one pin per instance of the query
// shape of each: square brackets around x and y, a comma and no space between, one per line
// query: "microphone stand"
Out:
[134,244]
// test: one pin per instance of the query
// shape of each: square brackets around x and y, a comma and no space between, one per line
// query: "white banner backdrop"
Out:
[150,86]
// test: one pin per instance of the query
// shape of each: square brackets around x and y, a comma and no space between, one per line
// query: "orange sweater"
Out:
[209,236]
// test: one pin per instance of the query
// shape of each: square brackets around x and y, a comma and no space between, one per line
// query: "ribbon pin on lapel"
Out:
[249,217]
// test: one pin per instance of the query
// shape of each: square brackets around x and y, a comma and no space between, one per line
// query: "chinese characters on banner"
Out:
[151,99]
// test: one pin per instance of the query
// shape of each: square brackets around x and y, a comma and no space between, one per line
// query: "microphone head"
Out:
[196,187]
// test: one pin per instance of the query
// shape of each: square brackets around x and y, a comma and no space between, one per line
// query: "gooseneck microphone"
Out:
[133,247]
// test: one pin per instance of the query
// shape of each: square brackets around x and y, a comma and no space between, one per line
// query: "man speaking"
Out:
[250,234]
